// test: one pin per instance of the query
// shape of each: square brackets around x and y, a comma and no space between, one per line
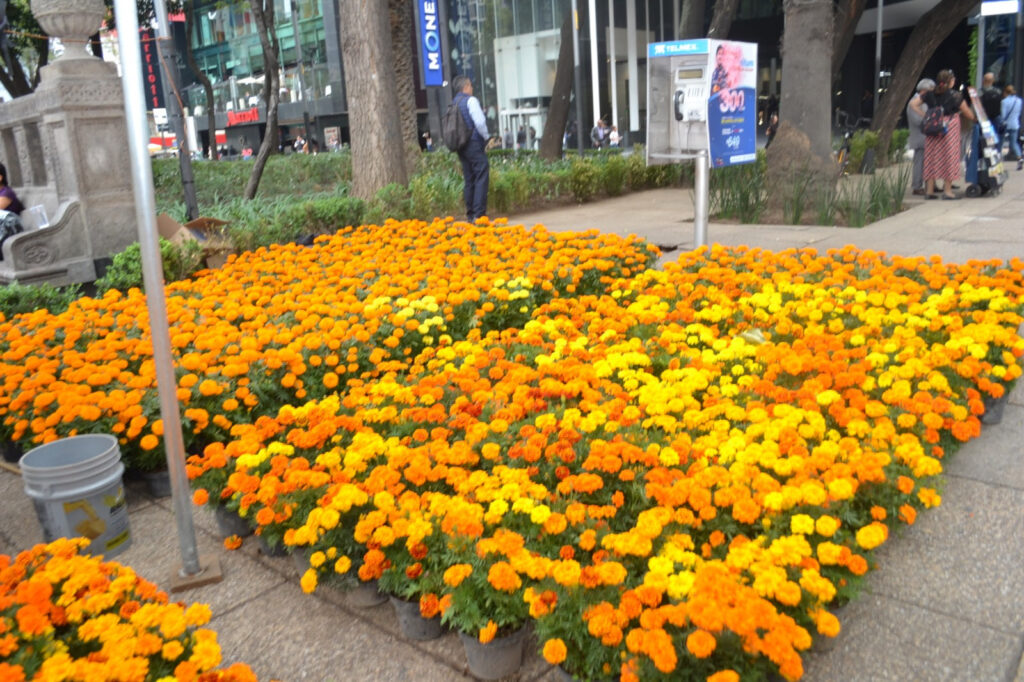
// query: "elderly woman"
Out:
[916,109]
[942,152]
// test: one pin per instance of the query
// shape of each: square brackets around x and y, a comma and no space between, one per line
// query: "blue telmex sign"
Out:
[430,42]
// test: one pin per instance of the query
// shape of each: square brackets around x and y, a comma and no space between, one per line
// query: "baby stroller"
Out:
[984,173]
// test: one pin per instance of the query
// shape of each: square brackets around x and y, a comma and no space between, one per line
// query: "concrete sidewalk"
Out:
[947,602]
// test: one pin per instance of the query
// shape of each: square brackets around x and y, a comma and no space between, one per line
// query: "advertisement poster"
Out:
[732,106]
[702,96]
[429,38]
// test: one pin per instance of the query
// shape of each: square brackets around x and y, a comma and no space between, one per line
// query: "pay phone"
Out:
[688,125]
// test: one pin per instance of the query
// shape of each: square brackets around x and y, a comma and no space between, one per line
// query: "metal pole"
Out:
[878,56]
[152,273]
[172,82]
[979,68]
[302,71]
[633,72]
[595,94]
[577,77]
[700,200]
[614,60]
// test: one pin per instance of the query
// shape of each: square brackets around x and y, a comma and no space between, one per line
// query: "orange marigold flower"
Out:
[488,631]
[200,497]
[554,651]
[701,643]
[724,676]
[232,542]
[503,577]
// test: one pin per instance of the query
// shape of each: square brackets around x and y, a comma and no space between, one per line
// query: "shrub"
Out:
[179,262]
[321,216]
[862,141]
[391,201]
[16,299]
[583,180]
[613,175]
[509,189]
[898,144]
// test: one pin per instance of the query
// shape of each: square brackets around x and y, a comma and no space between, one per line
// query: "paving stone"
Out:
[962,558]
[155,554]
[997,455]
[311,639]
[888,639]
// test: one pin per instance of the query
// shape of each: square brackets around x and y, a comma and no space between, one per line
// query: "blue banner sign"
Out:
[699,46]
[430,42]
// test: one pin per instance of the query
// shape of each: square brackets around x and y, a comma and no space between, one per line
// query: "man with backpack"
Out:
[476,170]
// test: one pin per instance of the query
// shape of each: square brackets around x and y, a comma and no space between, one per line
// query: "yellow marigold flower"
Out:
[540,514]
[724,676]
[826,525]
[554,651]
[308,581]
[342,565]
[872,535]
[801,523]
[198,614]
[566,573]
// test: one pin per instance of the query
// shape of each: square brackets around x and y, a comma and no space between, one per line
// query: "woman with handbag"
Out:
[1010,116]
[942,152]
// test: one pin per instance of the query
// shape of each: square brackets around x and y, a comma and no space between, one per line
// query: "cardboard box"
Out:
[209,232]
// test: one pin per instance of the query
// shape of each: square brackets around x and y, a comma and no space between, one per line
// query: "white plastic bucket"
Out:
[75,485]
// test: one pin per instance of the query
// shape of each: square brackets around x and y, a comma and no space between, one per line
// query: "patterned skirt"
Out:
[942,154]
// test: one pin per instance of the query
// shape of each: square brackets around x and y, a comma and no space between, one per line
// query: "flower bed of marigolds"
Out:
[665,473]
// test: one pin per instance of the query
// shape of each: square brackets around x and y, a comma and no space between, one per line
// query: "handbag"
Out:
[934,123]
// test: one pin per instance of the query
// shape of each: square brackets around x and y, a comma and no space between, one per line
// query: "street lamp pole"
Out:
[302,70]
[878,56]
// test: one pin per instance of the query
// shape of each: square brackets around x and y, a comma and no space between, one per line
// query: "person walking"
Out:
[916,109]
[942,152]
[476,170]
[1010,115]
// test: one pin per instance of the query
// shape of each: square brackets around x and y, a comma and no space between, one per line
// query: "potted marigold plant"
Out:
[483,600]
[62,610]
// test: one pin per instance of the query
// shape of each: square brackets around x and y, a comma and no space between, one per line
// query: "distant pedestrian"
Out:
[614,140]
[475,167]
[597,134]
[916,109]
[1010,114]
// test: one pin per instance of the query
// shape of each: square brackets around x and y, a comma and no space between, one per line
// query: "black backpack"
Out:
[933,123]
[455,131]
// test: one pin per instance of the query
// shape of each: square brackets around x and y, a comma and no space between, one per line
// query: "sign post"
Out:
[432,44]
[702,105]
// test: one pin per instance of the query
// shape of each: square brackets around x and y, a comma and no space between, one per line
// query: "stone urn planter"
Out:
[500,657]
[73,21]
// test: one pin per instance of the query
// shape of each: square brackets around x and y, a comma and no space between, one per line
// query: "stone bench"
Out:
[53,254]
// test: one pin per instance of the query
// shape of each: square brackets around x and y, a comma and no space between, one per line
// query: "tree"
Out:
[802,149]
[933,28]
[401,16]
[561,92]
[848,14]
[23,55]
[263,17]
[721,20]
[190,59]
[691,19]
[376,132]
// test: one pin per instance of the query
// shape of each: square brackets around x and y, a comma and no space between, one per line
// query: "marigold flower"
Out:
[554,651]
[488,631]
[701,643]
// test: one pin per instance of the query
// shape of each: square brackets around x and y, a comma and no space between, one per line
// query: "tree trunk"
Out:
[806,100]
[801,154]
[561,94]
[691,19]
[263,16]
[928,34]
[402,20]
[721,20]
[848,14]
[375,130]
[190,58]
